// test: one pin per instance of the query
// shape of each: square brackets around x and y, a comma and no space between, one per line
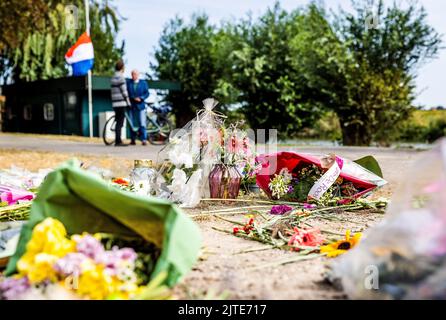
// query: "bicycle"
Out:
[158,129]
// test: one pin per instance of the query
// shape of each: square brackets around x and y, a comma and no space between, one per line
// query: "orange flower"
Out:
[120,181]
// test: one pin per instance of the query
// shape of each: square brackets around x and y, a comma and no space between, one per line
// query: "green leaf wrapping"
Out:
[84,202]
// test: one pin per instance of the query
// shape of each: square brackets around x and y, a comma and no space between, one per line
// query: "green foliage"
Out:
[285,70]
[186,54]
[424,126]
[40,53]
[264,71]
[371,164]
[18,18]
[435,130]
[326,128]
[105,22]
[366,75]
[389,54]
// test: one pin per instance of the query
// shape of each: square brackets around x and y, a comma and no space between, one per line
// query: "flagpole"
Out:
[89,81]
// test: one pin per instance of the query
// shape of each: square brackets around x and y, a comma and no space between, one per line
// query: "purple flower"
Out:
[91,247]
[280,209]
[114,258]
[71,264]
[12,288]
[290,189]
[309,206]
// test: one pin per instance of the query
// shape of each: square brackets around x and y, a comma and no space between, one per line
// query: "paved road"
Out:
[34,142]
[394,162]
[45,143]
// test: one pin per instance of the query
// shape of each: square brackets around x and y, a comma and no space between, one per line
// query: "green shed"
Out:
[60,106]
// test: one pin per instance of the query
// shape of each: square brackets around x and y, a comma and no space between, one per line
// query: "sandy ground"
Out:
[222,267]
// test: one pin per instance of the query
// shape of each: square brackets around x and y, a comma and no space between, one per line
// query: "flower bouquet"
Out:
[249,174]
[189,157]
[89,217]
[290,176]
[235,152]
[202,159]
[80,267]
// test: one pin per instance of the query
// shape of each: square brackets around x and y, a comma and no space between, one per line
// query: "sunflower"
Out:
[342,246]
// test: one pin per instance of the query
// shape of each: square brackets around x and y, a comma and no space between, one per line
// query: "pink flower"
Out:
[71,264]
[113,259]
[280,209]
[234,145]
[13,288]
[203,136]
[246,147]
[90,246]
[309,206]
[305,237]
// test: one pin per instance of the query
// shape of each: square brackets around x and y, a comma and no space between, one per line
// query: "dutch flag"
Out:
[81,55]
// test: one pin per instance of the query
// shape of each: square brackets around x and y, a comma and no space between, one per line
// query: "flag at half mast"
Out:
[81,55]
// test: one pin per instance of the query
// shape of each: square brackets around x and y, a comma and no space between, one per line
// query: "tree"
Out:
[39,53]
[366,75]
[18,18]
[105,22]
[264,71]
[286,69]
[186,54]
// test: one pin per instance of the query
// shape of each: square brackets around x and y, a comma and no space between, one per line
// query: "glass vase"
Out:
[224,182]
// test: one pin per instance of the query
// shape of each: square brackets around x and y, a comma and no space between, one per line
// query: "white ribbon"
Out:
[325,182]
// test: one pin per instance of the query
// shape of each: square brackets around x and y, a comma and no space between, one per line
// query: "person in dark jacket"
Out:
[120,99]
[138,92]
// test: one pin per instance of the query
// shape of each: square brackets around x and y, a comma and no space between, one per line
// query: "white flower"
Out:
[192,193]
[179,155]
[187,193]
[178,184]
[142,187]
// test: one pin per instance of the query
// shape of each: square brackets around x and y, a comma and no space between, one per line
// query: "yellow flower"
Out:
[339,247]
[49,236]
[95,283]
[126,292]
[38,267]
[48,243]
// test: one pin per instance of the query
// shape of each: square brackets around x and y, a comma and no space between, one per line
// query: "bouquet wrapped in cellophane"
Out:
[189,157]
[300,177]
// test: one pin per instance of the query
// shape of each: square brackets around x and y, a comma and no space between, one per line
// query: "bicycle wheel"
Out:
[108,133]
[161,136]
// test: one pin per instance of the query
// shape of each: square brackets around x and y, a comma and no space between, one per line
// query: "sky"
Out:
[145,20]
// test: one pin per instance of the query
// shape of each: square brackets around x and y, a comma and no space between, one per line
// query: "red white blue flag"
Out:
[81,55]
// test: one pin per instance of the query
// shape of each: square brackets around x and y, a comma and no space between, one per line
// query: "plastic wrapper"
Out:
[12,196]
[191,154]
[9,237]
[363,180]
[404,256]
[21,178]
